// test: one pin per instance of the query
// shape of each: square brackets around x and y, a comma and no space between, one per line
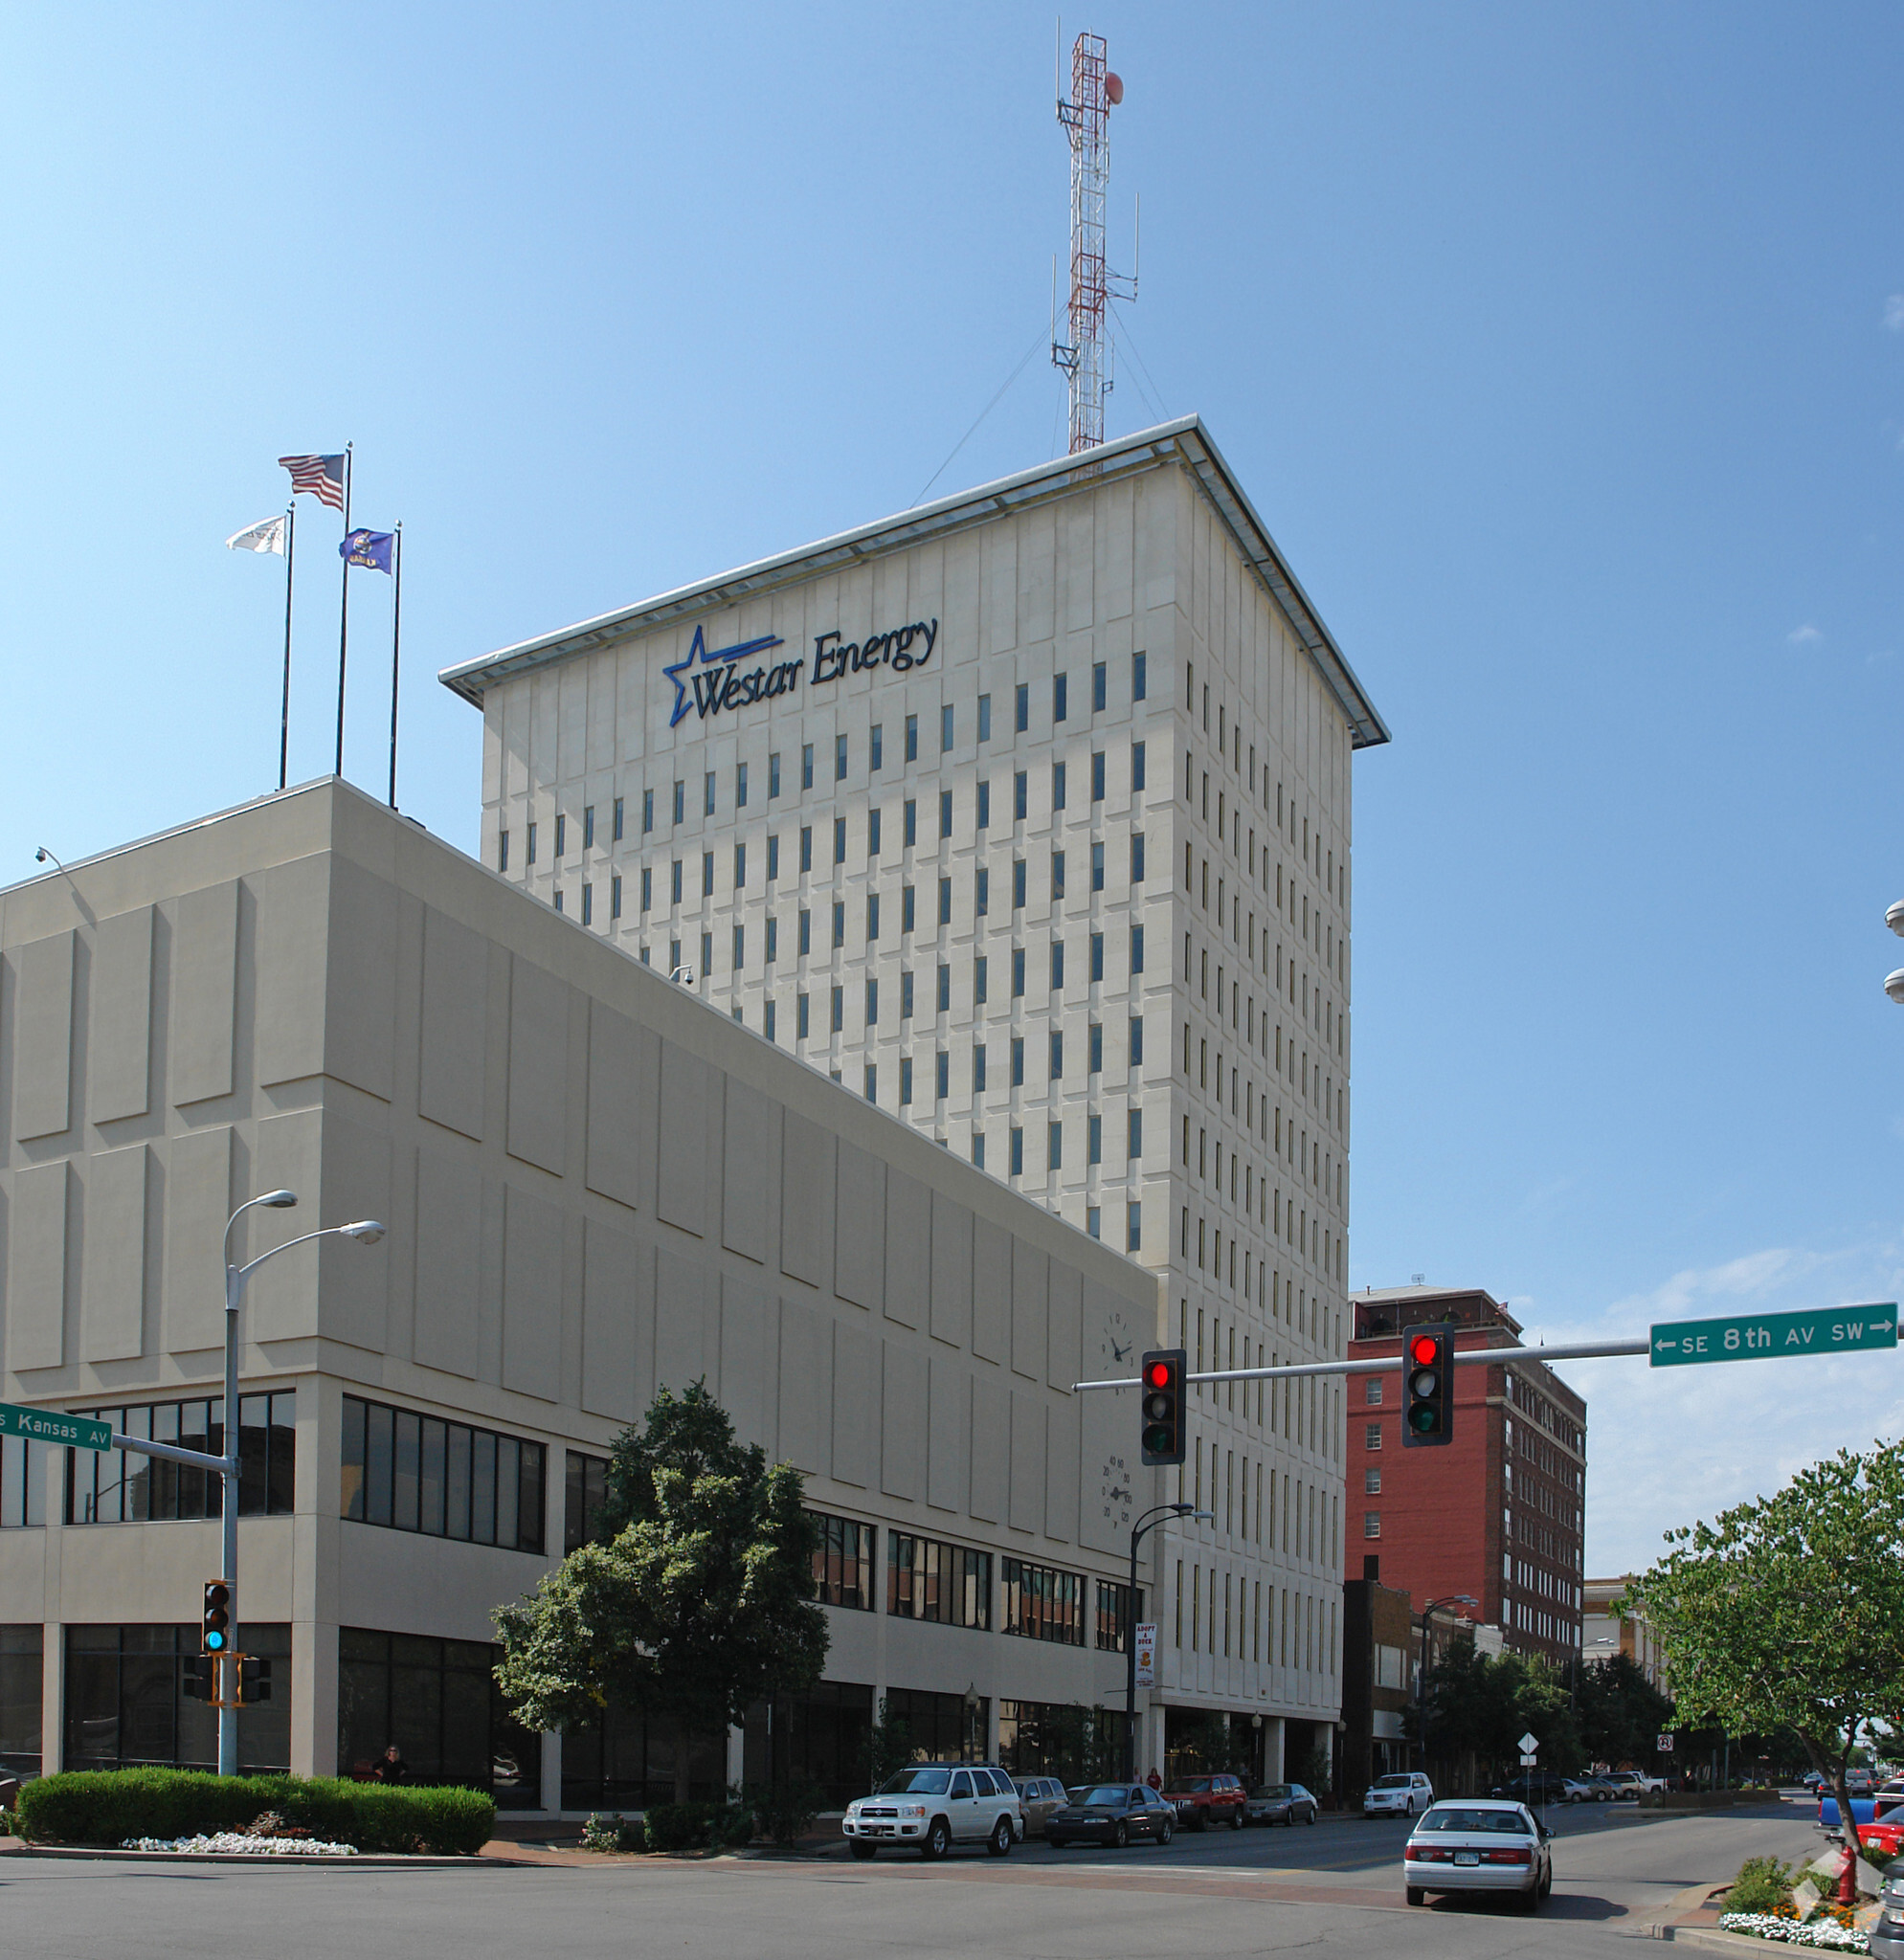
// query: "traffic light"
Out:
[1428,1385]
[253,1679]
[200,1679]
[1162,1412]
[215,1622]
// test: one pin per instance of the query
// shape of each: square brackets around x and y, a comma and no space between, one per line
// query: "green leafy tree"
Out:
[1621,1712]
[1481,1705]
[1788,1611]
[697,1600]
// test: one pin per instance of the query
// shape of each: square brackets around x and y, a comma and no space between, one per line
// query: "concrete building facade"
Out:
[1026,816]
[1497,1513]
[595,1186]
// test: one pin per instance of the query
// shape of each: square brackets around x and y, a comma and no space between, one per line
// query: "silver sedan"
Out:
[1479,1844]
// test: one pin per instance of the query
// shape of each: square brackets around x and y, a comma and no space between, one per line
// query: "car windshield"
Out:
[1109,1793]
[1390,1783]
[917,1783]
[1273,1790]
[1193,1783]
[1505,1823]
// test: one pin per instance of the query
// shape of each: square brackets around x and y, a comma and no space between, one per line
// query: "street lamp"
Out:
[365,1232]
[1149,1521]
[1894,983]
[1427,1612]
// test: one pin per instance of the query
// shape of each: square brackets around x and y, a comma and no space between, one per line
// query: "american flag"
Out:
[322,476]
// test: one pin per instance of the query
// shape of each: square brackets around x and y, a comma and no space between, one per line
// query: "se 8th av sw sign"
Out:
[1771,1336]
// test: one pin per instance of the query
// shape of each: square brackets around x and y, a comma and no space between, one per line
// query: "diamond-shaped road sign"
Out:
[1531,1743]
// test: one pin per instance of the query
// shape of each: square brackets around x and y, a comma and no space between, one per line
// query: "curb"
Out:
[372,1861]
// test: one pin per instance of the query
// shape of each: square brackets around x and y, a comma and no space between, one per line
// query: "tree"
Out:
[1621,1712]
[1788,1611]
[699,1602]
[1483,1704]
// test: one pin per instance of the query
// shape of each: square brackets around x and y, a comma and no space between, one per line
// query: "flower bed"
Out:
[243,1845]
[1812,1932]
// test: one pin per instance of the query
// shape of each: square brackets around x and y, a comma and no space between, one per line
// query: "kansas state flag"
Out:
[371,548]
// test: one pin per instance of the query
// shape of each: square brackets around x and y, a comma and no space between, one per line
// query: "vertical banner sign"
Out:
[1147,1654]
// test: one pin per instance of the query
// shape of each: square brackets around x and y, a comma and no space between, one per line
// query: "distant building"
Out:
[1497,1513]
[1608,1630]
[1379,1637]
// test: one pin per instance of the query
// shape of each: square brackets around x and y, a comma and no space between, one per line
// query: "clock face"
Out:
[1117,1357]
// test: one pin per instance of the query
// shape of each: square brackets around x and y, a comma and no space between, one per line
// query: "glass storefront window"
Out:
[842,1567]
[438,1701]
[928,1579]
[122,1488]
[21,1671]
[126,1704]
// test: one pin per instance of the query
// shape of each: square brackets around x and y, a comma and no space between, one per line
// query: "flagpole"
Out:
[284,712]
[344,612]
[395,640]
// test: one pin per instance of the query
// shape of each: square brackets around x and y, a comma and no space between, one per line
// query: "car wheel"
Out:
[1002,1837]
[1166,1831]
[1416,1896]
[1310,1818]
[1056,1844]
[1120,1834]
[1530,1902]
[1202,1818]
[939,1840]
[860,1850]
[1237,1819]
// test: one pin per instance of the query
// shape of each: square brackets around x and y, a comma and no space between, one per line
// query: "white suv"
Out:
[933,1806]
[1398,1795]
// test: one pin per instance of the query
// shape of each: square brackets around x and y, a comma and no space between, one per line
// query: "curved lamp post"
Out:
[1149,1521]
[1894,983]
[1427,1612]
[365,1232]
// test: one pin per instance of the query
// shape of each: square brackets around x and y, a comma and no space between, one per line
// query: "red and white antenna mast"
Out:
[1085,356]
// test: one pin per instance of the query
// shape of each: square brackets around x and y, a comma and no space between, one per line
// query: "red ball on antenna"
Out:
[1113,88]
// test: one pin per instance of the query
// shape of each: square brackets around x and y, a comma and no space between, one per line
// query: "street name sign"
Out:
[49,1426]
[1773,1336]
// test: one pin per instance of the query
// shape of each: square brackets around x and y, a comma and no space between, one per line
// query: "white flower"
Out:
[236,1842]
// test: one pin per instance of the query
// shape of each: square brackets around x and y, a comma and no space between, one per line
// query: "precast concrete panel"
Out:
[43,1037]
[37,1233]
[198,1200]
[454,1025]
[113,1256]
[624,1059]
[748,1138]
[690,1119]
[289,926]
[538,1120]
[446,1326]
[860,1227]
[118,1061]
[618,1322]
[532,1293]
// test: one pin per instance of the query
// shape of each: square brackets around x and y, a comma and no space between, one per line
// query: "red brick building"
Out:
[1499,1511]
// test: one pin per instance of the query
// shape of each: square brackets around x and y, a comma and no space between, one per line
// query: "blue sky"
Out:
[1558,346]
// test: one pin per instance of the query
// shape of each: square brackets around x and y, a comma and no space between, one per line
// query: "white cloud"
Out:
[1894,313]
[1668,1446]
[1804,636]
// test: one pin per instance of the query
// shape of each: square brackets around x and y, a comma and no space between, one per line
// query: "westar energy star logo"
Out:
[714,677]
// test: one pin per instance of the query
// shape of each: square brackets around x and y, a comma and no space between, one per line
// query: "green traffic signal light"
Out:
[216,1620]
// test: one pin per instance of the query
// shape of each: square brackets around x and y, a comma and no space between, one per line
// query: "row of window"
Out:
[1222,1614]
[930,1579]
[122,1487]
[446,1479]
[1060,698]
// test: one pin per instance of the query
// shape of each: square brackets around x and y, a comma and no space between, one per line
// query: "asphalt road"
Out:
[1209,1896]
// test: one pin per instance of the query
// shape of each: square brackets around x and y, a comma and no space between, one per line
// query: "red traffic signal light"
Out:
[1428,1385]
[1161,1423]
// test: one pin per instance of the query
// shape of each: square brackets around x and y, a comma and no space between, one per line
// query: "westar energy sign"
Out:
[717,677]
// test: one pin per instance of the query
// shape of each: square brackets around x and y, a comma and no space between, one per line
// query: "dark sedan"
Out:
[1280,1803]
[1113,1813]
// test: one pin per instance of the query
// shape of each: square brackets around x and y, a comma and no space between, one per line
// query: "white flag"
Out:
[268,536]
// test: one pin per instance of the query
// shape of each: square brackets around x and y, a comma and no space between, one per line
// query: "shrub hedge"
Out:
[108,1806]
[693,1826]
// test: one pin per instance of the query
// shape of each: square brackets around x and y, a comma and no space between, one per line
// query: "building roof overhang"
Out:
[1184,442]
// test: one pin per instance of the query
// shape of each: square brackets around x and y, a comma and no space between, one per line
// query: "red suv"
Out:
[1204,1800]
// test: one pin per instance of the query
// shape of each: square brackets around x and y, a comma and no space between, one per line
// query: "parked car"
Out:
[1578,1789]
[1280,1803]
[1477,1844]
[1113,1813]
[1399,1795]
[1039,1796]
[1200,1801]
[1534,1787]
[931,1807]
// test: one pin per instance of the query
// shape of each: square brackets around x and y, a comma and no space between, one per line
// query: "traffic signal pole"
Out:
[1571,1350]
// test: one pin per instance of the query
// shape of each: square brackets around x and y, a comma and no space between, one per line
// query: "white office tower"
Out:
[1026,814]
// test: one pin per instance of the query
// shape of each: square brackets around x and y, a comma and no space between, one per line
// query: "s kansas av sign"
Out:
[710,681]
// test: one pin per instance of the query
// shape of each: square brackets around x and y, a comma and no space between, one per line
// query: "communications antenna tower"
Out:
[1085,356]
